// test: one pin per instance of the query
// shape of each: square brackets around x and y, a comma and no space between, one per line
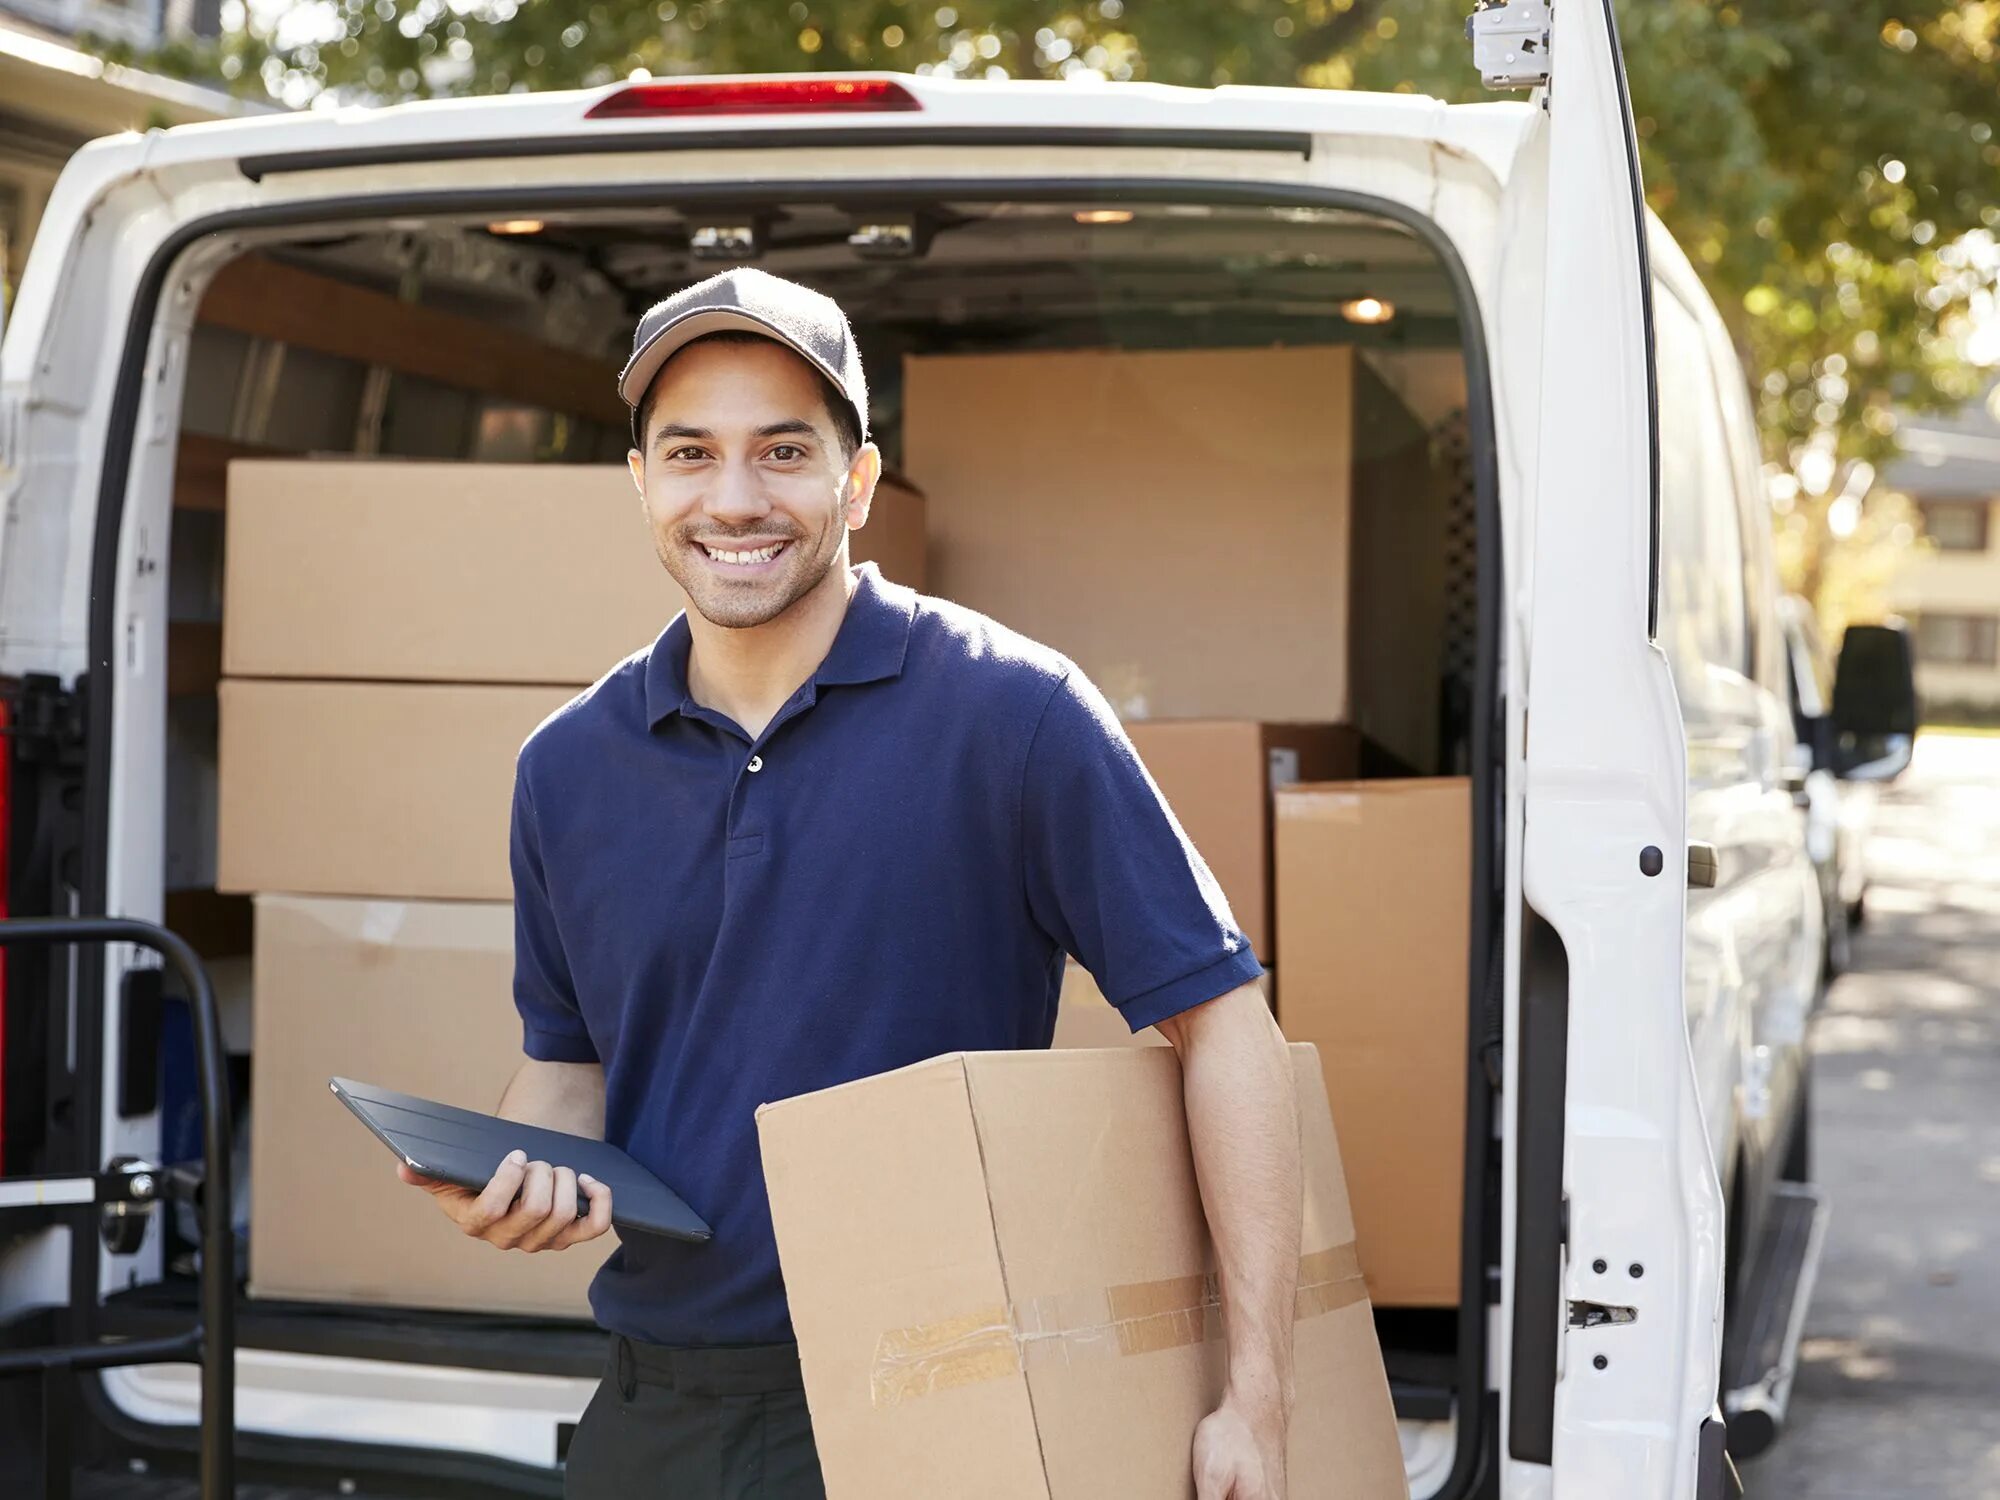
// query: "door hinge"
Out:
[1597,1314]
[1510,42]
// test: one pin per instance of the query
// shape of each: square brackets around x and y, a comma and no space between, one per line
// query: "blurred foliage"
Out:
[1832,170]
[1847,577]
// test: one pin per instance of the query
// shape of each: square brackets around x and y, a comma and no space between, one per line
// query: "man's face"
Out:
[743,480]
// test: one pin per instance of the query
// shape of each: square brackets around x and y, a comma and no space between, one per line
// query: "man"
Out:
[822,828]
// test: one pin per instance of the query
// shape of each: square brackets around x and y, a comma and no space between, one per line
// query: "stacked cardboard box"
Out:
[1205,495]
[1374,884]
[392,633]
[466,573]
[413,995]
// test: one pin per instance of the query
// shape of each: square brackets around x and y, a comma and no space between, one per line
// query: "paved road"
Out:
[1898,1393]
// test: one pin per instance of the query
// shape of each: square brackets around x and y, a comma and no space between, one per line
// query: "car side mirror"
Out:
[1874,704]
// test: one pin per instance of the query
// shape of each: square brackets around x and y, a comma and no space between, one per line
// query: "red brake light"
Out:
[754,96]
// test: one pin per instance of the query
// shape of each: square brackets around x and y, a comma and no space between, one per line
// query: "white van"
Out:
[1637,1244]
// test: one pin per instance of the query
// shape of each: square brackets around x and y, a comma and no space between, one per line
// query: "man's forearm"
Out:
[556,1096]
[1243,1124]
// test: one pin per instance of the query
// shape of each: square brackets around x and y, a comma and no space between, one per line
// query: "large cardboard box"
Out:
[1177,522]
[414,996]
[519,573]
[371,788]
[1374,886]
[1218,776]
[1000,1277]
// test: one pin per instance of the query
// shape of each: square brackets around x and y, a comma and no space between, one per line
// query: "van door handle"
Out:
[1701,866]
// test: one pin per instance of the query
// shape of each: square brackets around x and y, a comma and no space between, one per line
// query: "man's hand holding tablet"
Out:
[529,1205]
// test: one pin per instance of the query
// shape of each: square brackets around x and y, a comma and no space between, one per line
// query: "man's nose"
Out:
[737,495]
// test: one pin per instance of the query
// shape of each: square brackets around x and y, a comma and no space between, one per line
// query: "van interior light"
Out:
[753,96]
[516,226]
[723,242]
[1104,216]
[1368,310]
[885,241]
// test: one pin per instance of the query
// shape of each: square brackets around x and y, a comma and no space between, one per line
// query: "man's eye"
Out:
[680,454]
[785,453]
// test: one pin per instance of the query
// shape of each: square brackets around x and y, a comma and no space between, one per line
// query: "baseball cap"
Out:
[747,300]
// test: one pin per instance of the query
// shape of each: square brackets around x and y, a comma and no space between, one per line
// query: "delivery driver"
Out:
[825,827]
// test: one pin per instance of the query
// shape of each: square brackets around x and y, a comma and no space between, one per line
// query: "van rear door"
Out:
[1613,1260]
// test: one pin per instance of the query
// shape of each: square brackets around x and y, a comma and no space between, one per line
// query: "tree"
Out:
[1831,169]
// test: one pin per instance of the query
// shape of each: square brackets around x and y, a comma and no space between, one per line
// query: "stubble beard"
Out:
[747,605]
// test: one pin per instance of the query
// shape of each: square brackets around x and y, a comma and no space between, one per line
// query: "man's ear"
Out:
[636,462]
[858,488]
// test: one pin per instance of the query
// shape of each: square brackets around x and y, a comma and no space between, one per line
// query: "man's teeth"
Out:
[743,559]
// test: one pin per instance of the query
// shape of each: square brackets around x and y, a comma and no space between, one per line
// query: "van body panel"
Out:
[1606,779]
[1754,942]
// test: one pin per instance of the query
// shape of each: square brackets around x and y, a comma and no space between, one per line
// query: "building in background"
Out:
[55,94]
[1951,595]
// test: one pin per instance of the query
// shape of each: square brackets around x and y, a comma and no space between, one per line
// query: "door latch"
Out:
[1598,1314]
[1510,42]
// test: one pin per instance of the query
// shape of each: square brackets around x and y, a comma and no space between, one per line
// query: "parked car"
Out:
[1838,807]
[1607,650]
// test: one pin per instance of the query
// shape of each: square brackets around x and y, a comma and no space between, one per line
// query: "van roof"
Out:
[356,136]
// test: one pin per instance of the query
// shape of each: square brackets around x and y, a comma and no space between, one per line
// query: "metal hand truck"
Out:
[136,1187]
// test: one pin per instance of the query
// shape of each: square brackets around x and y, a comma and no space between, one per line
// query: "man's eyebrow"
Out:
[673,430]
[789,425]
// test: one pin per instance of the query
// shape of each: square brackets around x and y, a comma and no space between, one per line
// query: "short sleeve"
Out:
[551,1020]
[1110,874]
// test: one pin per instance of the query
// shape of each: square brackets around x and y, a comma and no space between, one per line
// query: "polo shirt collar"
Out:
[869,647]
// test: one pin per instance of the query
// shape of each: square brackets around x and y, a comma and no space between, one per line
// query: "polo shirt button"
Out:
[756,764]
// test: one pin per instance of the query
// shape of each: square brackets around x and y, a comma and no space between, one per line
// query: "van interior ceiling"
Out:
[495,342]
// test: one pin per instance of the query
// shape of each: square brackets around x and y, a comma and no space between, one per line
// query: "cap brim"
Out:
[698,323]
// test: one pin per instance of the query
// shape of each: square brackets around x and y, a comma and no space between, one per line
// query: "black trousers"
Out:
[695,1424]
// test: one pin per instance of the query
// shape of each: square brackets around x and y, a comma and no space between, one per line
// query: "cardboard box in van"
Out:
[414,996]
[371,788]
[1218,776]
[1084,1018]
[517,573]
[1374,886]
[985,1310]
[1175,521]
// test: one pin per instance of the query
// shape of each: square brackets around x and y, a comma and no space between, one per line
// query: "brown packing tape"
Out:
[912,1362]
[1140,1317]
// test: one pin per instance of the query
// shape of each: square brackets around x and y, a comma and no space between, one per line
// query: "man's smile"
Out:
[748,555]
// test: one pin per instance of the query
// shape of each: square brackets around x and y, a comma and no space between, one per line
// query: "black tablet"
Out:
[464,1148]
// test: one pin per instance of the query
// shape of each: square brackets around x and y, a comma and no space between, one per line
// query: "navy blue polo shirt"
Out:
[893,869]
